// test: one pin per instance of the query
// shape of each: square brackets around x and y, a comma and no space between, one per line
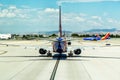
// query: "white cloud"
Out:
[14,12]
[23,15]
[94,23]
[12,7]
[80,19]
[83,14]
[29,15]
[97,18]
[6,13]
[111,20]
[105,14]
[25,6]
[51,10]
[39,17]
[1,5]
[76,1]
[11,15]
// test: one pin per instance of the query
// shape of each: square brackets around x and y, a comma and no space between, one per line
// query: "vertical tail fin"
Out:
[60,25]
[106,36]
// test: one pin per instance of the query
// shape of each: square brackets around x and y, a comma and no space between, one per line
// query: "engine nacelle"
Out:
[42,51]
[69,43]
[77,51]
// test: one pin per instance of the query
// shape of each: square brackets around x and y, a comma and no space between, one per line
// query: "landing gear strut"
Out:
[49,54]
[70,54]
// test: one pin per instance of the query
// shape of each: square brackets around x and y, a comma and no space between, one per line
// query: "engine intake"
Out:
[69,43]
[42,51]
[77,51]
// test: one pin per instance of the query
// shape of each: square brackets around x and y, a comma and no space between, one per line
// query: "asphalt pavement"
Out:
[98,63]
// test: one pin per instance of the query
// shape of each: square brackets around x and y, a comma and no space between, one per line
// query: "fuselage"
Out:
[92,38]
[60,45]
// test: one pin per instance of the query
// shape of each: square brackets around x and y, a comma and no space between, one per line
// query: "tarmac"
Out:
[97,61]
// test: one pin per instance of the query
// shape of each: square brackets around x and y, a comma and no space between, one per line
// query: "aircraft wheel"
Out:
[69,43]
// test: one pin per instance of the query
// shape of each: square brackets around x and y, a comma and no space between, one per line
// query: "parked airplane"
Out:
[5,36]
[97,37]
[60,44]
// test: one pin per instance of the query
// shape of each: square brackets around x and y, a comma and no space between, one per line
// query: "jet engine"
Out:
[42,51]
[77,51]
[69,43]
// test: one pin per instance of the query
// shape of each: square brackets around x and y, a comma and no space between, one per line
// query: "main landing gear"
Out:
[49,54]
[76,52]
[70,54]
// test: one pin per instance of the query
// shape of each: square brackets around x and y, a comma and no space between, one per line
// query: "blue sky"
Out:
[23,16]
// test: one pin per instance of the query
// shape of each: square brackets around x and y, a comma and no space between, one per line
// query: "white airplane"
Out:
[5,36]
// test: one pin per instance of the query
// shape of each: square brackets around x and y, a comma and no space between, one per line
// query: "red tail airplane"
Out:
[97,37]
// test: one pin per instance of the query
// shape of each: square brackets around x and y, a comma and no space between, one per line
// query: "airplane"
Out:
[5,36]
[97,37]
[60,45]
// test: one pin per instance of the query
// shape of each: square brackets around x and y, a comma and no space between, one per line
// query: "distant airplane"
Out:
[5,36]
[97,37]
[60,44]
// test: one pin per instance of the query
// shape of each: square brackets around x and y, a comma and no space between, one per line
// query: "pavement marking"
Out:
[87,72]
[55,68]
[20,70]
